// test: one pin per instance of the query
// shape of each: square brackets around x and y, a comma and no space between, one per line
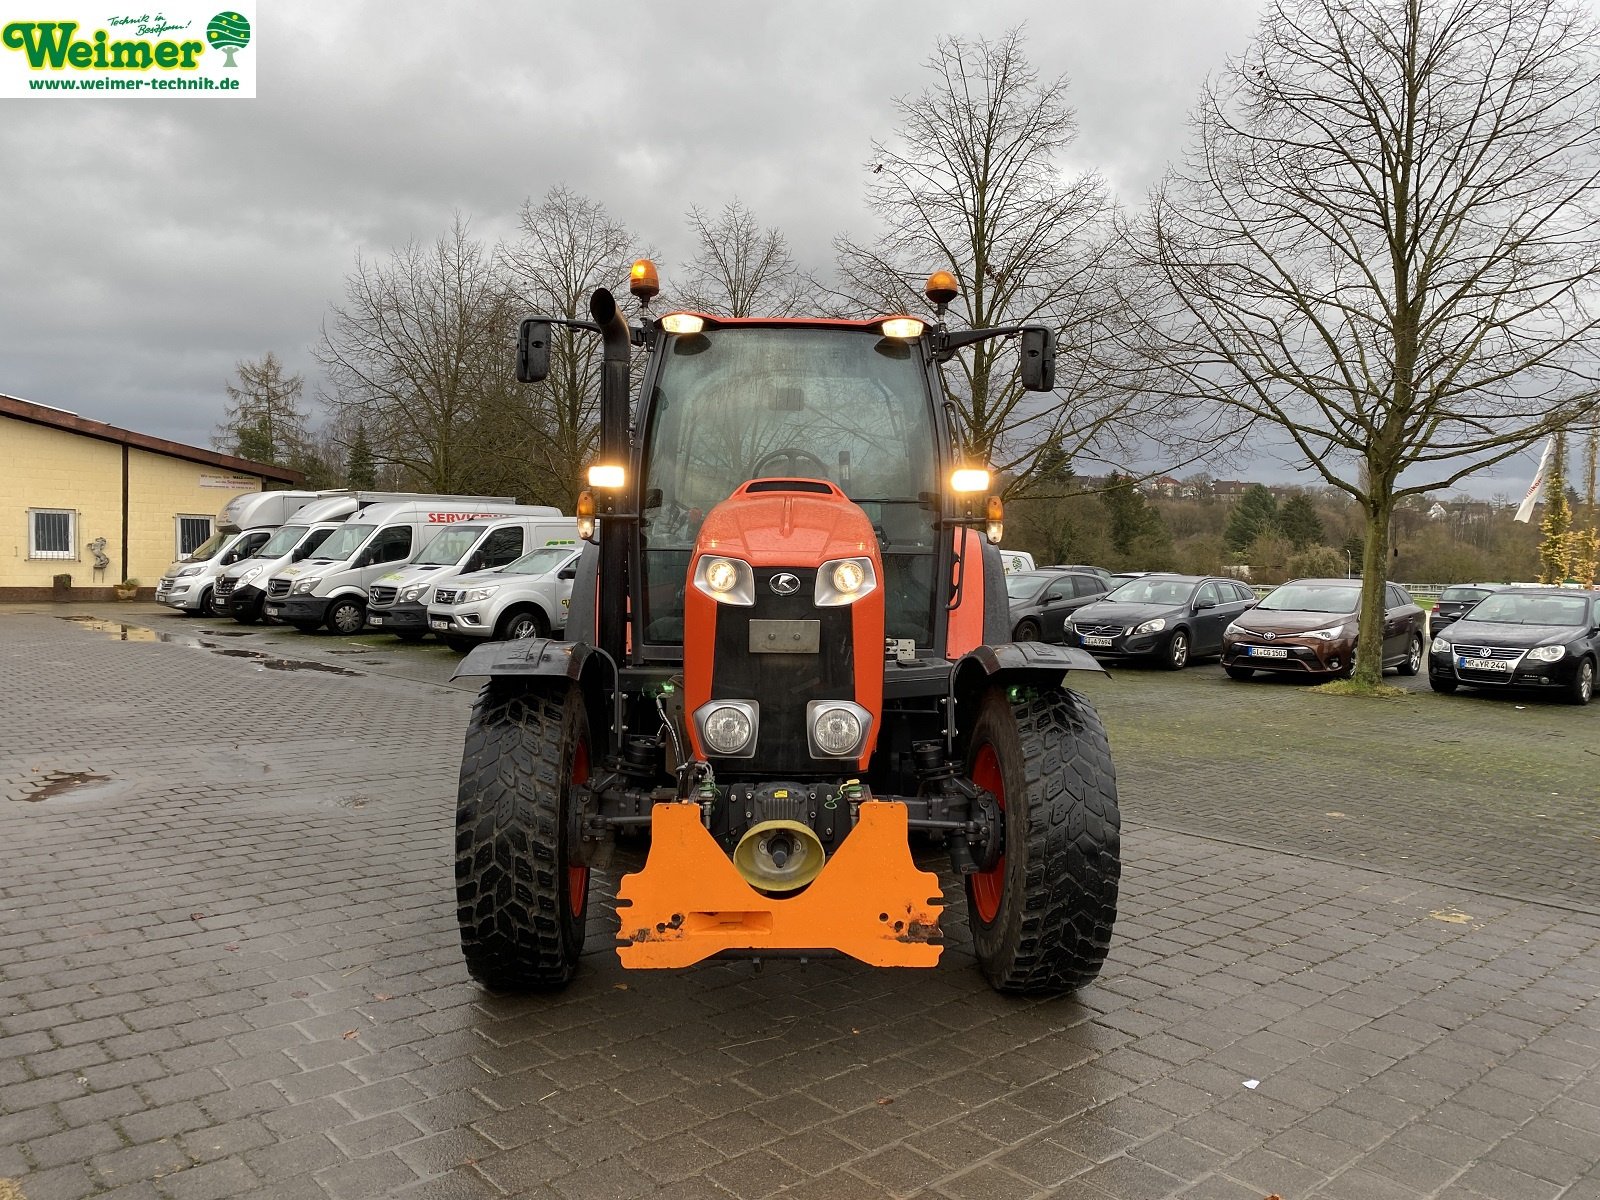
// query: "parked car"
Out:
[1041,602]
[1547,639]
[1456,599]
[1100,571]
[1309,627]
[527,598]
[1170,618]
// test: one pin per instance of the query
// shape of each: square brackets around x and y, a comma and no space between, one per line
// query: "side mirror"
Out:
[1038,354]
[474,563]
[533,350]
[1202,605]
[567,572]
[299,554]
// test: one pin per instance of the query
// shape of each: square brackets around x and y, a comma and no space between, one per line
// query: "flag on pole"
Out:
[1536,488]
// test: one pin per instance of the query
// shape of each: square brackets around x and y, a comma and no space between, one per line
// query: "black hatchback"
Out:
[1536,638]
[1168,618]
[1456,599]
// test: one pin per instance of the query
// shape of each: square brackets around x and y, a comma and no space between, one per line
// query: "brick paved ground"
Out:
[228,967]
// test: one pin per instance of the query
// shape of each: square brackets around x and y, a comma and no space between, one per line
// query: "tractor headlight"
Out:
[473,595]
[414,592]
[1155,626]
[844,581]
[727,727]
[837,727]
[726,580]
[1547,653]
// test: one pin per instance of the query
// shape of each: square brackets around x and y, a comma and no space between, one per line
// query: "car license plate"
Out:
[1095,640]
[439,624]
[274,610]
[1484,664]
[1267,651]
[372,620]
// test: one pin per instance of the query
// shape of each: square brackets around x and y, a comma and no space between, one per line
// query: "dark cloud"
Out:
[150,245]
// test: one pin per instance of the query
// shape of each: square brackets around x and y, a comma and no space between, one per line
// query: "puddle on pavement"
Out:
[123,633]
[270,662]
[58,782]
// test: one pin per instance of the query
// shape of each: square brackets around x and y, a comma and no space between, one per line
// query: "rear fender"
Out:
[1008,664]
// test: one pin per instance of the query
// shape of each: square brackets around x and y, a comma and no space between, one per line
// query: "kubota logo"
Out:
[785,584]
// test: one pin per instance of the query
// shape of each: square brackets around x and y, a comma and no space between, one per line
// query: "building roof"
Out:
[56,418]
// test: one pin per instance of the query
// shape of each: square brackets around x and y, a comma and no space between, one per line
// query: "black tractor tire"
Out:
[307,626]
[409,635]
[1028,631]
[1581,689]
[1041,918]
[1239,672]
[1443,686]
[523,623]
[346,616]
[520,900]
[1414,656]
[1176,656]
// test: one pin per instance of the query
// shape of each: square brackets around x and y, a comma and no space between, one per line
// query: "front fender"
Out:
[527,658]
[1035,664]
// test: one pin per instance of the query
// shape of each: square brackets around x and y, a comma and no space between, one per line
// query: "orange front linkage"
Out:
[689,902]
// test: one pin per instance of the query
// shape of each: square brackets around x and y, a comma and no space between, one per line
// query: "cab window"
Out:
[500,547]
[392,544]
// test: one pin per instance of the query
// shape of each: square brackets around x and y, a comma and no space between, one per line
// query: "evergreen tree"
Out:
[1554,546]
[264,421]
[1255,514]
[1298,521]
[1137,532]
[361,469]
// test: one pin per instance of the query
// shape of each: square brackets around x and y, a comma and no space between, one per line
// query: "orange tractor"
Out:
[787,652]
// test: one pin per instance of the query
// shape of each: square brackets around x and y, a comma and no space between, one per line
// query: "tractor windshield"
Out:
[741,403]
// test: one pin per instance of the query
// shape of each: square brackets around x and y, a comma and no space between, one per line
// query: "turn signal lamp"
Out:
[643,281]
[902,327]
[969,479]
[606,476]
[941,288]
[994,520]
[585,515]
[683,323]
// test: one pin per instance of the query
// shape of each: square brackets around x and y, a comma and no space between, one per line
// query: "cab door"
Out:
[390,545]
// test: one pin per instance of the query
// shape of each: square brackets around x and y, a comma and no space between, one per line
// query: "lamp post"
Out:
[1349,565]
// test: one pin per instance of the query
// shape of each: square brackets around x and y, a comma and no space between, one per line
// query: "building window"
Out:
[192,533]
[52,533]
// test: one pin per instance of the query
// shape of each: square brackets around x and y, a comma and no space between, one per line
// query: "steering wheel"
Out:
[793,458]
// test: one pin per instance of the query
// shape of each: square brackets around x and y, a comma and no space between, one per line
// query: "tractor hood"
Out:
[787,523]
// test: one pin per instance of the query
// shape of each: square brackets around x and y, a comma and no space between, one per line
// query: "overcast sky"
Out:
[148,246]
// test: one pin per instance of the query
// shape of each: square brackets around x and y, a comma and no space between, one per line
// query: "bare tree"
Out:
[974,182]
[418,352]
[263,421]
[740,269]
[568,246]
[1383,247]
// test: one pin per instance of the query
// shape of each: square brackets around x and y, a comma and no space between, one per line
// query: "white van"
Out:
[397,603]
[1015,560]
[243,527]
[527,598]
[331,586]
[241,590]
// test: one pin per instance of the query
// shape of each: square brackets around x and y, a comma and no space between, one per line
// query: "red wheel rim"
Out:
[578,877]
[988,888]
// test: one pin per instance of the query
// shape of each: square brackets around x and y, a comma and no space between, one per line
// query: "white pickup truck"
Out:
[525,598]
